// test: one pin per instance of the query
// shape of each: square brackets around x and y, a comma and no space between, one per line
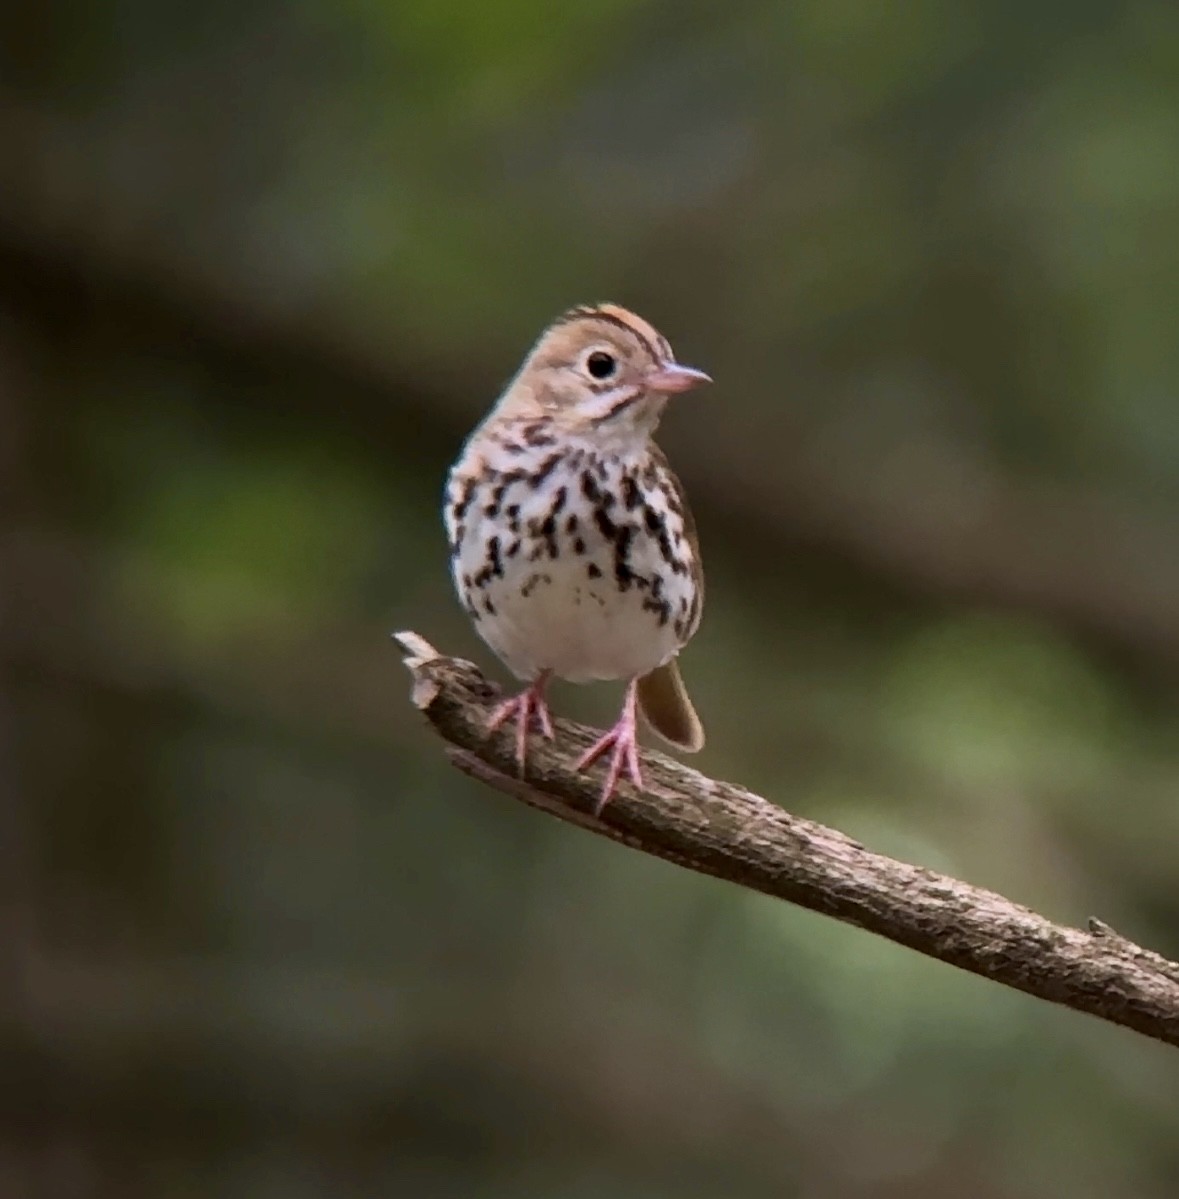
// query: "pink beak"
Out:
[673,378]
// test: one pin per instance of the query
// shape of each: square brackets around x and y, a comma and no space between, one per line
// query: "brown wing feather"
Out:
[663,698]
[680,504]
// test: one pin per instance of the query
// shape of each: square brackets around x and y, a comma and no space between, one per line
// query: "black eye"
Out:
[601,365]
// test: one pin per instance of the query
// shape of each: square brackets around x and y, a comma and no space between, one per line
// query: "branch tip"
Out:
[417,653]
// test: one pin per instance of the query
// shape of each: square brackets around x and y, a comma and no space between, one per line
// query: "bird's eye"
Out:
[601,365]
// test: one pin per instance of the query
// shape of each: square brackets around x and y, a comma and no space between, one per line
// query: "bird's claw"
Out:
[622,743]
[528,708]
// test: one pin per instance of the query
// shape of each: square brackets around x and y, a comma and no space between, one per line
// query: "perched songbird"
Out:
[571,542]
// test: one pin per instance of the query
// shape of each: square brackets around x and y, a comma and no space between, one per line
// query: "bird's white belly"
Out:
[562,602]
[551,616]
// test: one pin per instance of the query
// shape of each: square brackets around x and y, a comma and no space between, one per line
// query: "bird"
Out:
[572,546]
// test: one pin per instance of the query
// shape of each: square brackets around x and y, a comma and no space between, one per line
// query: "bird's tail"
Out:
[664,702]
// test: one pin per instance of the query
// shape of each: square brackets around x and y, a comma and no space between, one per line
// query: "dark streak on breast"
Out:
[533,581]
[632,497]
[606,526]
[622,568]
[547,529]
[535,435]
[493,568]
[545,469]
[656,525]
[464,500]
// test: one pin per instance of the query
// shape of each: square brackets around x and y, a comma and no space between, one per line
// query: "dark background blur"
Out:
[262,266]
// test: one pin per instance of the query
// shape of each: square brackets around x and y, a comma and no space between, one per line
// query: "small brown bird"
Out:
[571,543]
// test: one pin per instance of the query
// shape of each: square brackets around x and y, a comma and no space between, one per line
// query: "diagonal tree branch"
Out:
[721,829]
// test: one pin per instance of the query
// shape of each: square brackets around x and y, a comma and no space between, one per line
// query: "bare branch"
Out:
[721,829]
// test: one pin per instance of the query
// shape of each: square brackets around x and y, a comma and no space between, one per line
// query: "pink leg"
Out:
[625,750]
[526,708]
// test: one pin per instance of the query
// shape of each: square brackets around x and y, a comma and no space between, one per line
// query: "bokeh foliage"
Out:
[261,267]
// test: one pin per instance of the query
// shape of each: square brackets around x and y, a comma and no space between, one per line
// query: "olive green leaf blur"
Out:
[263,265]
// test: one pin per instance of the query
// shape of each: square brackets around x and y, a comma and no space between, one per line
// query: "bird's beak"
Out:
[673,378]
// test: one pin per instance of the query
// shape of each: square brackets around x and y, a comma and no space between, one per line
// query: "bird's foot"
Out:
[526,709]
[624,751]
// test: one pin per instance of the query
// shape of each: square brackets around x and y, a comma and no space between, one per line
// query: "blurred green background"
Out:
[262,266]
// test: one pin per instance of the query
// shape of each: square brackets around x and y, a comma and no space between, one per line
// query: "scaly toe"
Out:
[617,757]
[503,711]
[594,752]
[528,709]
[543,719]
[623,756]
[632,765]
[514,709]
